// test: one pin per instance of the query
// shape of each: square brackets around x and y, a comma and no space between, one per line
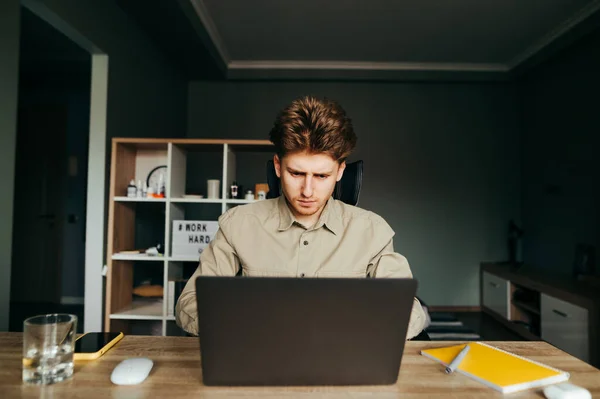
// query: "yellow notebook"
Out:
[498,369]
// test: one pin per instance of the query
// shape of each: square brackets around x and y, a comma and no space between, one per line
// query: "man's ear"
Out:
[277,164]
[341,171]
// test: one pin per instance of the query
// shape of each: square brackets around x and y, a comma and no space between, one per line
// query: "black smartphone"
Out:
[92,345]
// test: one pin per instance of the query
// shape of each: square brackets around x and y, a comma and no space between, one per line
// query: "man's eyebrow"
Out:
[292,170]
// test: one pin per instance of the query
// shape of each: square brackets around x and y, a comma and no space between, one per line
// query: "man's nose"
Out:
[307,189]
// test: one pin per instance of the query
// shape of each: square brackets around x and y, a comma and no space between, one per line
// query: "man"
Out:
[304,232]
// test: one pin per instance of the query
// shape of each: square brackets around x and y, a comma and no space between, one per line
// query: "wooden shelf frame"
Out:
[132,158]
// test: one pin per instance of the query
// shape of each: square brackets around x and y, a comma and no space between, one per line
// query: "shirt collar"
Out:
[330,217]
[286,218]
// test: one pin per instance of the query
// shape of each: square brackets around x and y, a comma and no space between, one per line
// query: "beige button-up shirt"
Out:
[264,239]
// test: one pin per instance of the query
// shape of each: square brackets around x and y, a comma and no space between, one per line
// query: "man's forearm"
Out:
[186,310]
[417,320]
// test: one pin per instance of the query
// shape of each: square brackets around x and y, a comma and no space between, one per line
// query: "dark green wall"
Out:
[442,164]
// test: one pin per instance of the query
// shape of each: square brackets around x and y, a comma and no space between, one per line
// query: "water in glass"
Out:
[48,343]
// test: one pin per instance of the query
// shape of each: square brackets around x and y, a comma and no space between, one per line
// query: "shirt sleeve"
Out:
[218,259]
[388,263]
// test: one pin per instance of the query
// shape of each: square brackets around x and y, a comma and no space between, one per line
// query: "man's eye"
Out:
[295,173]
[322,176]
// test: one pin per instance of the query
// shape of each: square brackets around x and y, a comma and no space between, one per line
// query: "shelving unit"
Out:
[135,223]
[540,306]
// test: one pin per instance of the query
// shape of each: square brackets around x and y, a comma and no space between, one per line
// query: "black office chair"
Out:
[346,190]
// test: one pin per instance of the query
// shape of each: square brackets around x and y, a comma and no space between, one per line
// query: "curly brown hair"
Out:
[313,125]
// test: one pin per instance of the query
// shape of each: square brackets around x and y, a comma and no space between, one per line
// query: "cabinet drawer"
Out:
[565,326]
[495,294]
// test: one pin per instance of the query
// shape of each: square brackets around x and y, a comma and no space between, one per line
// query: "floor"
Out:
[20,311]
[486,326]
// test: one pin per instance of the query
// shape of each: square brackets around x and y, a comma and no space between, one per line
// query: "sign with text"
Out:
[191,237]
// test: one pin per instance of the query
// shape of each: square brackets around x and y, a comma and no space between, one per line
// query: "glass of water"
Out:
[48,344]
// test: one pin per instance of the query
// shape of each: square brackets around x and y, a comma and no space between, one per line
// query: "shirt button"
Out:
[302,275]
[305,242]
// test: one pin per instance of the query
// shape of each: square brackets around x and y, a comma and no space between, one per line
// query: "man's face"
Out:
[307,181]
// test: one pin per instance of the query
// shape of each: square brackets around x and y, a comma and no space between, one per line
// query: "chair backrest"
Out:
[346,190]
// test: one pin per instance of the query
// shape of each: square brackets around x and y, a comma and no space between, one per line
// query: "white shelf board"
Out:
[140,199]
[141,310]
[197,200]
[170,318]
[239,201]
[184,258]
[137,257]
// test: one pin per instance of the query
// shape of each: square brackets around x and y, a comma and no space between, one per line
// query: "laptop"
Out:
[266,331]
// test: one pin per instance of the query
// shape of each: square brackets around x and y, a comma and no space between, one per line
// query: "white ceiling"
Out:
[375,37]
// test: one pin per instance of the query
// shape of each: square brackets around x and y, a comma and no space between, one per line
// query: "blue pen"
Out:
[454,364]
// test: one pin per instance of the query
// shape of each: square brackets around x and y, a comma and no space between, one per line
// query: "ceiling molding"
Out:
[211,29]
[374,71]
[364,72]
[556,33]
[366,66]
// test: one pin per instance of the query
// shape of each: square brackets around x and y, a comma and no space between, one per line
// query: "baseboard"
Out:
[454,308]
[72,300]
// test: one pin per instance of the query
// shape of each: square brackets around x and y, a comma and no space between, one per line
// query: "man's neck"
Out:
[307,221]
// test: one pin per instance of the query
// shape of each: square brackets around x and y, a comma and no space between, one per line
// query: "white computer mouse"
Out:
[566,390]
[131,371]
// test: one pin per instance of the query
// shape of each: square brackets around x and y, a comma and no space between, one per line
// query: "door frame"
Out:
[96,182]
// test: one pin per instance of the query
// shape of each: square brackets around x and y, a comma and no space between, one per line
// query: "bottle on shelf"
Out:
[234,190]
[131,189]
[139,189]
[160,189]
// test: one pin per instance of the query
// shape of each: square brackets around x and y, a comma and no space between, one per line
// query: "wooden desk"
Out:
[177,374]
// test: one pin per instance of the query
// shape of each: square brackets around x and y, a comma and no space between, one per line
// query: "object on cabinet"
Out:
[191,237]
[264,187]
[154,178]
[233,190]
[148,290]
[139,189]
[160,187]
[515,243]
[585,261]
[153,251]
[131,189]
[212,188]
[132,252]
[249,195]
